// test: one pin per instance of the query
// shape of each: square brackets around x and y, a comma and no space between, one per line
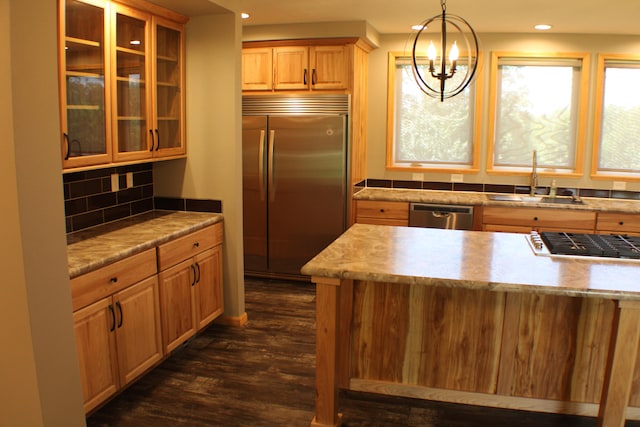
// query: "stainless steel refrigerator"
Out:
[294,179]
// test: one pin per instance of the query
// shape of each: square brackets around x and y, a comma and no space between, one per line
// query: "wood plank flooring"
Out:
[263,375]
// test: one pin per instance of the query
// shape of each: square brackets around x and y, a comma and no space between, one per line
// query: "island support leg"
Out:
[620,366]
[327,321]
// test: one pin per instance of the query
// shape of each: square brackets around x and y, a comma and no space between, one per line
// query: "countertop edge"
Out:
[79,267]
[461,284]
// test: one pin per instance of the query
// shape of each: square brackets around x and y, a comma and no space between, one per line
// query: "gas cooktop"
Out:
[616,246]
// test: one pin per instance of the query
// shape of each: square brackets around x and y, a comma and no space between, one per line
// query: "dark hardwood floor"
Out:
[263,375]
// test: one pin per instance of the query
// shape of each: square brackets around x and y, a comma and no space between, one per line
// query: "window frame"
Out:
[598,112]
[581,114]
[391,165]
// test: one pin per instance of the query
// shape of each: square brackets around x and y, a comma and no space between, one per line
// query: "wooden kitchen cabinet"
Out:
[524,220]
[117,325]
[84,83]
[618,223]
[148,97]
[295,68]
[257,68]
[382,212]
[190,284]
[121,82]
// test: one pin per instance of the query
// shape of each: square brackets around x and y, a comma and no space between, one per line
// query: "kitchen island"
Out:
[477,318]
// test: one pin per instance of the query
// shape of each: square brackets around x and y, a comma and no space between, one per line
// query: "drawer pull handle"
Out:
[120,311]
[114,280]
[113,318]
[196,245]
[535,218]
[621,223]
[381,210]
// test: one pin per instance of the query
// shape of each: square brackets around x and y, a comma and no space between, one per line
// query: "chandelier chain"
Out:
[443,3]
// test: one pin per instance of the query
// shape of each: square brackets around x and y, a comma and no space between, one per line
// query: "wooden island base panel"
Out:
[475,318]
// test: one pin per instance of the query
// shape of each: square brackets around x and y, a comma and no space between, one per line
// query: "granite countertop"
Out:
[96,247]
[478,198]
[468,259]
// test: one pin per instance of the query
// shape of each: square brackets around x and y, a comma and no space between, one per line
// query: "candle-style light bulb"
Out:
[431,52]
[454,52]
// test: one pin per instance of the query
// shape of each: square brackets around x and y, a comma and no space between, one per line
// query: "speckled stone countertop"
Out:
[469,259]
[477,198]
[96,247]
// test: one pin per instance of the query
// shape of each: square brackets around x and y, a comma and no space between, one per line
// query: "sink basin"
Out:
[534,199]
[562,200]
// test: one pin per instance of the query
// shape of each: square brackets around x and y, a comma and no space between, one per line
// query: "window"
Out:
[539,103]
[424,133]
[617,116]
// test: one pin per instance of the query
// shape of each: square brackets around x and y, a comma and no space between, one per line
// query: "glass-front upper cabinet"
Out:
[169,89]
[132,98]
[84,88]
[122,83]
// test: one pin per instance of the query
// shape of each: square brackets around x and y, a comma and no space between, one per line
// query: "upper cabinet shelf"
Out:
[121,83]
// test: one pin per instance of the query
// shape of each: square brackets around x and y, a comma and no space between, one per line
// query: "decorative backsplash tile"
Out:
[495,188]
[89,199]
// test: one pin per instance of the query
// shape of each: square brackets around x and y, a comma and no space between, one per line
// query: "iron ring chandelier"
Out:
[434,83]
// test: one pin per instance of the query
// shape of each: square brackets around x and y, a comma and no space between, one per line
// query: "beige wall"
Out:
[376,143]
[40,383]
[213,169]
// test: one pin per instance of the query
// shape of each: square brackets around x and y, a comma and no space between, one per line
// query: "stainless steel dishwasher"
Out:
[441,216]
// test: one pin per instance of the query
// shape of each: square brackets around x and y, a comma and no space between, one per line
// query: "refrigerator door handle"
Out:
[261,176]
[271,184]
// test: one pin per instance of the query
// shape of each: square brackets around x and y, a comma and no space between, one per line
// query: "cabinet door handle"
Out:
[198,269]
[304,76]
[313,77]
[113,318]
[120,311]
[157,139]
[66,145]
[153,143]
[193,270]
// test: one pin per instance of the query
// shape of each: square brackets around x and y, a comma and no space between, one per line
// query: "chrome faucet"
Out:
[533,182]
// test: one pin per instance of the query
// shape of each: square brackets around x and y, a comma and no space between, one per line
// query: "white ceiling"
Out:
[397,16]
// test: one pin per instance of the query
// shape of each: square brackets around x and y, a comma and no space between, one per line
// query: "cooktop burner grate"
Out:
[600,245]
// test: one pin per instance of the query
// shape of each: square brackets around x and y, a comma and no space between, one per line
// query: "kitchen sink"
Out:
[535,199]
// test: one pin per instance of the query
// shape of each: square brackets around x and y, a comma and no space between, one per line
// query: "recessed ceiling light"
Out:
[244,15]
[542,27]
[418,27]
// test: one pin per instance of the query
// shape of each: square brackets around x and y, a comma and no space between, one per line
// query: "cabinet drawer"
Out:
[534,217]
[619,223]
[378,209]
[91,287]
[184,247]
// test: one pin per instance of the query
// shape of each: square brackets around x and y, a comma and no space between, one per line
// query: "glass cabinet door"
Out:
[84,91]
[132,140]
[168,90]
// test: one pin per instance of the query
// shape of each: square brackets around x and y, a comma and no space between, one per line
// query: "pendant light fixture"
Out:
[443,80]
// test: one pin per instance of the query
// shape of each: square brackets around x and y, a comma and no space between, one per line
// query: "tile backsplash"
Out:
[494,188]
[89,198]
